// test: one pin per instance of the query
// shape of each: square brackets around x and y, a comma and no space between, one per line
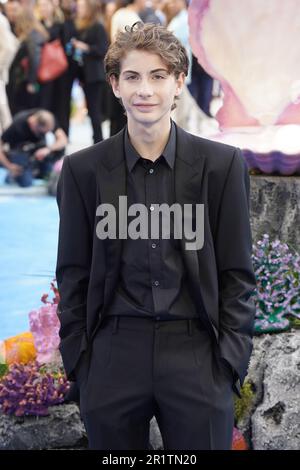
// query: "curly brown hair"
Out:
[151,38]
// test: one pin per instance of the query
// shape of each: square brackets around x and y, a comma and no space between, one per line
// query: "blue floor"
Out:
[28,240]
[28,243]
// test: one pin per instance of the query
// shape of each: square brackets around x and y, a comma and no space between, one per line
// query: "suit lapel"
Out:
[111,179]
[188,175]
[189,179]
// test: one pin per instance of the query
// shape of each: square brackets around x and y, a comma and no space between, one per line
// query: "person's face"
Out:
[11,10]
[45,8]
[110,9]
[81,8]
[146,88]
[67,5]
[158,4]
[140,4]
[175,6]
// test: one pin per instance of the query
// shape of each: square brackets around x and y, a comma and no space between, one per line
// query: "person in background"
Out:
[108,8]
[51,18]
[89,49]
[198,82]
[180,27]
[11,10]
[8,48]
[148,14]
[25,150]
[127,14]
[158,6]
[201,86]
[165,9]
[23,87]
[64,83]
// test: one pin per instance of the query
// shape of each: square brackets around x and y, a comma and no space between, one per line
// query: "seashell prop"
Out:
[251,48]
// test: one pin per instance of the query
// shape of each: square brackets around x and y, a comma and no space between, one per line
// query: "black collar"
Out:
[132,156]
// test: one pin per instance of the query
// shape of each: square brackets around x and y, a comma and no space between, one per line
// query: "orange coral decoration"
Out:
[20,348]
[238,440]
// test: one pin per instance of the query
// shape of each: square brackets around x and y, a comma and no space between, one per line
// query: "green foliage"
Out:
[242,405]
[295,323]
[3,369]
[56,370]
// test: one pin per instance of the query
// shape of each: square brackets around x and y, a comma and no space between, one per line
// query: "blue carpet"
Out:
[28,240]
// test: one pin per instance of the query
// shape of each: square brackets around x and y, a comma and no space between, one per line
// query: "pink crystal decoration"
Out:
[44,325]
[251,49]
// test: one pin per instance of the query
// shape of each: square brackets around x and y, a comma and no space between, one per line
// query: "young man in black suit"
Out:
[153,325]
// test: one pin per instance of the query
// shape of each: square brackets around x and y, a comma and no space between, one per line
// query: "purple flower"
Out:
[277,270]
[28,390]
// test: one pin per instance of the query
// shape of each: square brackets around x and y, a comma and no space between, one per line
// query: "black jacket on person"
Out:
[54,30]
[19,76]
[93,68]
[67,33]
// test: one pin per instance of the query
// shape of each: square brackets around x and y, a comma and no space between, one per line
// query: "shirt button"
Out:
[153,245]
[151,170]
[151,208]
[156,283]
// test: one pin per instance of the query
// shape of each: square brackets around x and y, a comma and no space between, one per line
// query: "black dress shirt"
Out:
[152,280]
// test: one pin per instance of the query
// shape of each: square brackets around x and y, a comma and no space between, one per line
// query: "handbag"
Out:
[53,62]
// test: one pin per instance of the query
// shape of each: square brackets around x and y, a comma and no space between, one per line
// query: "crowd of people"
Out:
[85,29]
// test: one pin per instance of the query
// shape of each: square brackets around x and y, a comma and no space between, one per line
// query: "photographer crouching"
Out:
[25,150]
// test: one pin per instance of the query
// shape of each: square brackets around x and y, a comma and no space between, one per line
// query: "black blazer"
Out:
[220,273]
[93,68]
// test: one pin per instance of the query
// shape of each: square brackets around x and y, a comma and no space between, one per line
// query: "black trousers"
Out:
[139,368]
[63,95]
[94,98]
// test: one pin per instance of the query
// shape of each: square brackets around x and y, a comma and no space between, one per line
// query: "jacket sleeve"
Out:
[235,270]
[72,268]
[98,43]
[34,48]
